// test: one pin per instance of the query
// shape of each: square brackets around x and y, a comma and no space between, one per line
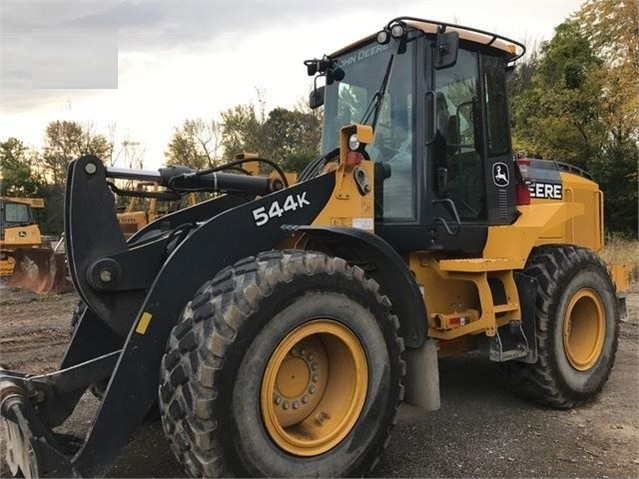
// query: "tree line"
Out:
[574,98]
[288,136]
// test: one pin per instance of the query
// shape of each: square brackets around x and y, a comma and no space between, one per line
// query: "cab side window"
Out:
[494,69]
[458,134]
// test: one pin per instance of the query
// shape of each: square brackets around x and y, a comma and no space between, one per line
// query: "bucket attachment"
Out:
[40,270]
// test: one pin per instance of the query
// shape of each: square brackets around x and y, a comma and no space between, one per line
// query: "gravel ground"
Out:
[480,431]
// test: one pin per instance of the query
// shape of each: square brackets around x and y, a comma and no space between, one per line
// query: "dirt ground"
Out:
[480,431]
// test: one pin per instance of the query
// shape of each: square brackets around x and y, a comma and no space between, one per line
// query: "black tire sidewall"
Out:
[583,384]
[249,434]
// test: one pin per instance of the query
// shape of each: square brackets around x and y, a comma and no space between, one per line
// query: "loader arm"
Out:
[143,301]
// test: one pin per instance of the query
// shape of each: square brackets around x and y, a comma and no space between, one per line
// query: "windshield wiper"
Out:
[375,105]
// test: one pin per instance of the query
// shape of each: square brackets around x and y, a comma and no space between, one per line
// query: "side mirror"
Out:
[316,98]
[446,50]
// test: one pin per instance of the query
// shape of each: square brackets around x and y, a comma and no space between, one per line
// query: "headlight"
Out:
[353,142]
[383,37]
[397,30]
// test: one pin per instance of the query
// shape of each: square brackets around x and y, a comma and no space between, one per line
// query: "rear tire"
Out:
[577,328]
[288,364]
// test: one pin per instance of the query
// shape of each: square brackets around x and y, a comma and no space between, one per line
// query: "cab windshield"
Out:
[347,101]
[16,214]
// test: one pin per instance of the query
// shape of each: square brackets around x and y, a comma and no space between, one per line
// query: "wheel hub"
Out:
[300,382]
[314,387]
[584,329]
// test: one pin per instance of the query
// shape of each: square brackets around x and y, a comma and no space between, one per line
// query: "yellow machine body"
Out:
[464,306]
[18,236]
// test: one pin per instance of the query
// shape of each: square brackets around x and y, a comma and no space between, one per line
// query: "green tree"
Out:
[241,131]
[18,176]
[520,79]
[288,131]
[557,118]
[288,137]
[64,141]
[612,28]
[196,143]
[615,169]
[582,104]
[296,161]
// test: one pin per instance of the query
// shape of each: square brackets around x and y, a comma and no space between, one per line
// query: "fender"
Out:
[390,271]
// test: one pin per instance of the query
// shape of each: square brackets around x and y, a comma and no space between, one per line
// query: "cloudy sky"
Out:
[141,67]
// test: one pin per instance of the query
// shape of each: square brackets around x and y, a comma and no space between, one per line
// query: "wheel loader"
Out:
[277,328]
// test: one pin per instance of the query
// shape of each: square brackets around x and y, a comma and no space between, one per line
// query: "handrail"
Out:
[443,25]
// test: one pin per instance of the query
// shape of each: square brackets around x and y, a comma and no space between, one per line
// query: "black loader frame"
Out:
[133,302]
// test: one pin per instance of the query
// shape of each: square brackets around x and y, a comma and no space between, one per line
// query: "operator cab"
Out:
[13,213]
[435,95]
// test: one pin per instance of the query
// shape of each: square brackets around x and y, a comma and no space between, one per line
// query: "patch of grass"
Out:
[621,249]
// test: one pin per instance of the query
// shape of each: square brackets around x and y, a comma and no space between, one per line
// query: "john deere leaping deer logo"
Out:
[500,174]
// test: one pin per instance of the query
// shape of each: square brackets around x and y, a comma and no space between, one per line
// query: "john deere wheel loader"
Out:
[278,327]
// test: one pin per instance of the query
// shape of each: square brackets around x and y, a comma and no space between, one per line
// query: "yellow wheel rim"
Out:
[584,329]
[314,388]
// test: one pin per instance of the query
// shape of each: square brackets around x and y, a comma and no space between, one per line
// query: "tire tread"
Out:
[231,297]
[551,266]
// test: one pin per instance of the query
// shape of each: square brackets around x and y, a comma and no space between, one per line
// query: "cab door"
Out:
[470,151]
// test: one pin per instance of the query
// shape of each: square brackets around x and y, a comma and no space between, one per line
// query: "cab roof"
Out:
[512,48]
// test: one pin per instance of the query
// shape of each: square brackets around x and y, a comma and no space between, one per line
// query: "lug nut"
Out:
[305,399]
[314,366]
[315,378]
[285,405]
[311,357]
[296,405]
[277,400]
[312,389]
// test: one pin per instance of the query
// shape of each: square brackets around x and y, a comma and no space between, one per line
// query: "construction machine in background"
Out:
[278,327]
[19,229]
[142,209]
[24,259]
[30,264]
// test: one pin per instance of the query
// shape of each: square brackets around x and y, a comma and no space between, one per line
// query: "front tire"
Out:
[577,328]
[288,364]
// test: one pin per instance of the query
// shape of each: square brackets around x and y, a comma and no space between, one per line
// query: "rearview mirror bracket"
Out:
[446,49]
